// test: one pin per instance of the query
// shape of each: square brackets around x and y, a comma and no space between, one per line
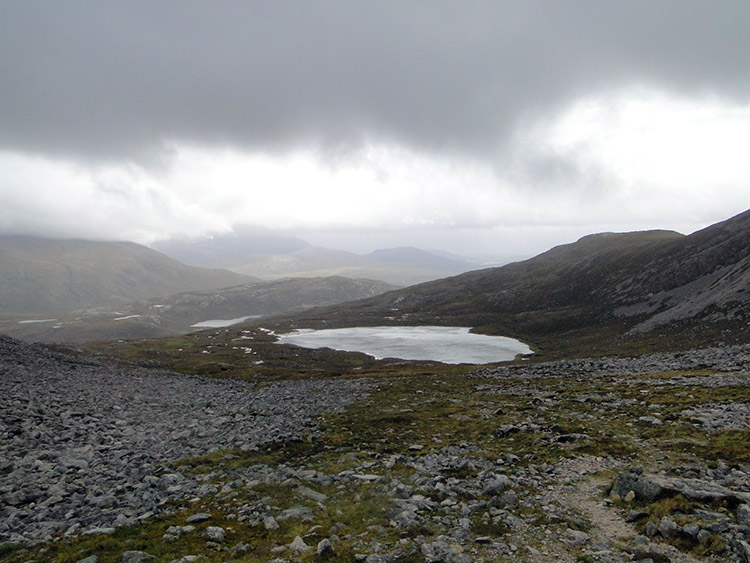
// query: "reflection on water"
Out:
[450,345]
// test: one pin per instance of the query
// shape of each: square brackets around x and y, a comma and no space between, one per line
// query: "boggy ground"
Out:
[435,463]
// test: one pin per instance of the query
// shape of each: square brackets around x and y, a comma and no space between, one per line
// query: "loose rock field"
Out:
[614,459]
[85,446]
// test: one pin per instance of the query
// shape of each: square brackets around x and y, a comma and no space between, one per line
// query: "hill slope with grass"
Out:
[175,314]
[51,277]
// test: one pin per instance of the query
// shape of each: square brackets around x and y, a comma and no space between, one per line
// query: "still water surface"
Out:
[450,345]
[220,323]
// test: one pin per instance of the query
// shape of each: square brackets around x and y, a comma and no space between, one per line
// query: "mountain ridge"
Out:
[604,293]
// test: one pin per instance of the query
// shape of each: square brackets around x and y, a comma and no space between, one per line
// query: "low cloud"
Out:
[176,119]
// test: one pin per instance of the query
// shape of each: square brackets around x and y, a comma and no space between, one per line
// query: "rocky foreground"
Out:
[620,459]
[81,444]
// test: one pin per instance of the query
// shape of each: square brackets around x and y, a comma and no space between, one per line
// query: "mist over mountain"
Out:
[603,293]
[228,251]
[273,257]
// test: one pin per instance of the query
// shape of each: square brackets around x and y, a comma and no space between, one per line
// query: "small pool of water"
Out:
[219,323]
[449,345]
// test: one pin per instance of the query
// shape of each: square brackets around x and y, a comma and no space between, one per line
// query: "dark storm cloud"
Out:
[116,80]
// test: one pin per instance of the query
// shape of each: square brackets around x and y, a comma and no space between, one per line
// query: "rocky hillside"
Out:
[604,293]
[52,277]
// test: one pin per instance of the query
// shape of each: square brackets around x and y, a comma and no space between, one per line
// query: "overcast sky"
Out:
[496,128]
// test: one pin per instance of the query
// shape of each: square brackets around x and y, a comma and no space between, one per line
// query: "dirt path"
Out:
[609,533]
[607,525]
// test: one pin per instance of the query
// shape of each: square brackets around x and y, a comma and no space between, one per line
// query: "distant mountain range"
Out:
[605,293]
[274,257]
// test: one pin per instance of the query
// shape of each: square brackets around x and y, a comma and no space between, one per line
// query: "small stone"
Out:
[630,497]
[200,517]
[214,533]
[295,512]
[299,546]
[508,499]
[368,478]
[136,557]
[691,530]
[324,548]
[576,537]
[89,559]
[743,550]
[496,485]
[311,494]
[93,531]
[743,515]
[241,548]
[270,523]
[668,528]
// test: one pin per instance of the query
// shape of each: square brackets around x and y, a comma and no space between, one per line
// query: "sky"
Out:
[483,128]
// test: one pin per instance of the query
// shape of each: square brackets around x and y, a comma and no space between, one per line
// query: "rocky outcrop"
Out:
[649,487]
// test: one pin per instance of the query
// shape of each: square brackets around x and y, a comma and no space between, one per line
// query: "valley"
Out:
[374,282]
[623,437]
